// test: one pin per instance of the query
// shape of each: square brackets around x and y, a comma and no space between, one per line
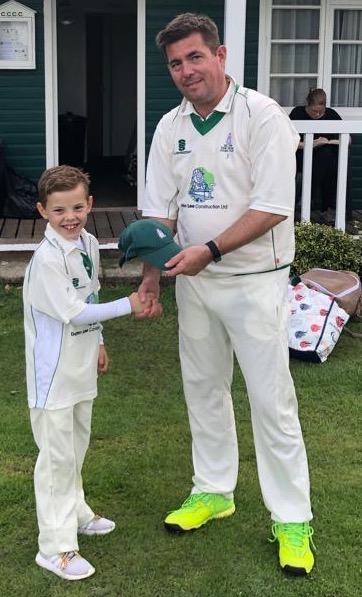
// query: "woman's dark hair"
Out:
[316,96]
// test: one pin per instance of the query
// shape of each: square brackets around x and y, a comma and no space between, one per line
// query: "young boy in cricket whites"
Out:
[64,351]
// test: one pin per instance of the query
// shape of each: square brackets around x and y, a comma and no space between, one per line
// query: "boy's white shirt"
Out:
[61,359]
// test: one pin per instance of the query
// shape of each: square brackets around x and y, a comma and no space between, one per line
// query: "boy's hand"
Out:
[137,306]
[103,360]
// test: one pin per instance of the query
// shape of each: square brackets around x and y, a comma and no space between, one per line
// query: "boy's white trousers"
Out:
[249,315]
[62,436]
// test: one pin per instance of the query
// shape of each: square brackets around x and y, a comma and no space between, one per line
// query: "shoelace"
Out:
[193,500]
[199,499]
[295,533]
[66,557]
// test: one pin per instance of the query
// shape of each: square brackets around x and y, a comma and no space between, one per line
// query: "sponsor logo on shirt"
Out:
[201,185]
[181,147]
[75,282]
[200,190]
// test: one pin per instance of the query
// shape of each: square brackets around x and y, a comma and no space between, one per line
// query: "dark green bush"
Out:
[319,245]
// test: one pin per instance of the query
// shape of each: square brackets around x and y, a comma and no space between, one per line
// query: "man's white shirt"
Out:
[208,180]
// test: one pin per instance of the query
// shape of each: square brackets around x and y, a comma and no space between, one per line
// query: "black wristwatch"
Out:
[216,255]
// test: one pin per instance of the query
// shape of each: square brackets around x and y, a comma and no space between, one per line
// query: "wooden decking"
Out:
[105,223]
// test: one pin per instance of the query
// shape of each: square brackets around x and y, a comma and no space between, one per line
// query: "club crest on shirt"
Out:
[75,282]
[201,185]
[228,145]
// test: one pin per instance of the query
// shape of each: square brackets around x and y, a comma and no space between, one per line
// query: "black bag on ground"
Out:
[18,194]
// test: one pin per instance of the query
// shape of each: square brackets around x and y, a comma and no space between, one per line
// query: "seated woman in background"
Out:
[325,149]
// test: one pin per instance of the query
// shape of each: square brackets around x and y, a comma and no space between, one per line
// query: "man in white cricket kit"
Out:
[221,173]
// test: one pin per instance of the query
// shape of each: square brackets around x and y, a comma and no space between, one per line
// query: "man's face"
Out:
[197,72]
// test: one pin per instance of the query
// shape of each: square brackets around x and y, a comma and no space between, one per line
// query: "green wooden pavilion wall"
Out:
[22,108]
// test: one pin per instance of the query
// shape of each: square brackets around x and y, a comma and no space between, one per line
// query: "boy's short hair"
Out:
[61,178]
[184,25]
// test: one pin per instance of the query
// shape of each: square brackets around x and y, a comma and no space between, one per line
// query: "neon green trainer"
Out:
[197,510]
[295,554]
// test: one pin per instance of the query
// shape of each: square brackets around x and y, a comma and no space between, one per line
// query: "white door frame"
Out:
[51,82]
[234,36]
[141,100]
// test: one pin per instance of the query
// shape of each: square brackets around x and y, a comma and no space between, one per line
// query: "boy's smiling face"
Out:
[67,211]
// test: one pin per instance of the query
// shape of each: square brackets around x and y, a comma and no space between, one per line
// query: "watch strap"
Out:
[216,255]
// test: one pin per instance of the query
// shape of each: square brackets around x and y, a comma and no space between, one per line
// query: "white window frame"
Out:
[327,8]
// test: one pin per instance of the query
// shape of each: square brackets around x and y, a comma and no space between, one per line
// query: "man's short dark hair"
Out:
[184,25]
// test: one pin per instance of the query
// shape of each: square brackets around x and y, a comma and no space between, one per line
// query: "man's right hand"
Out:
[153,308]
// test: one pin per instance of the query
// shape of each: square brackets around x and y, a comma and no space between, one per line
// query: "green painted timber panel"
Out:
[22,108]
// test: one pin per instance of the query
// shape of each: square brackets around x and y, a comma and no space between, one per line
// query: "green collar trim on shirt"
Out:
[88,264]
[204,126]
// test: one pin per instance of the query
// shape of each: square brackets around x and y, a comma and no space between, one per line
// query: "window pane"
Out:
[295,24]
[346,92]
[290,91]
[348,25]
[296,2]
[294,58]
[347,59]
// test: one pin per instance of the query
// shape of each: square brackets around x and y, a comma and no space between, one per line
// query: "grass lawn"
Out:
[139,467]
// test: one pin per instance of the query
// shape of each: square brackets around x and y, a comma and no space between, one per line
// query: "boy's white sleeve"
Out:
[94,312]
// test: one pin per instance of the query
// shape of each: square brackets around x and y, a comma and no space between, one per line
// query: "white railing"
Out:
[343,128]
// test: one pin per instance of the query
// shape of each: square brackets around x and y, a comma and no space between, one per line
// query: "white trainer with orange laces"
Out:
[97,526]
[68,565]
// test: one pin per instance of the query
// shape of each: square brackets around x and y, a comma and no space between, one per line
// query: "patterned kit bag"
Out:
[315,325]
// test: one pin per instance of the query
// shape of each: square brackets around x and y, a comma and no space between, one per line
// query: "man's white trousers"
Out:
[248,315]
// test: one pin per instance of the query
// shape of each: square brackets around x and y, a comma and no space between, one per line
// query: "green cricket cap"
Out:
[150,240]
